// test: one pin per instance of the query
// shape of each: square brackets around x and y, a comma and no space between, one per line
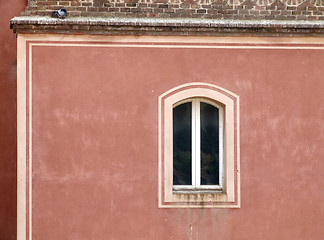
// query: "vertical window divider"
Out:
[193,144]
[197,140]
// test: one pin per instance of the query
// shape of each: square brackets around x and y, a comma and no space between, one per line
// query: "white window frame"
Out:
[196,148]
[229,195]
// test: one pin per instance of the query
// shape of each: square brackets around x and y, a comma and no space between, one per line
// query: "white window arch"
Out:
[223,187]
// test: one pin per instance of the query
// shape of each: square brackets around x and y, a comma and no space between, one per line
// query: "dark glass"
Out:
[209,131]
[182,144]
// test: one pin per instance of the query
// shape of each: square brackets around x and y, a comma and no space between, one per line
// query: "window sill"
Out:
[197,191]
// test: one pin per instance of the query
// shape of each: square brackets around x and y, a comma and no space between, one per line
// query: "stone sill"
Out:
[168,26]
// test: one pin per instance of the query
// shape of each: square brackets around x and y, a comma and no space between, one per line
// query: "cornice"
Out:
[167,26]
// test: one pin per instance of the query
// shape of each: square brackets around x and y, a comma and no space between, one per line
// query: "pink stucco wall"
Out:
[8,132]
[95,142]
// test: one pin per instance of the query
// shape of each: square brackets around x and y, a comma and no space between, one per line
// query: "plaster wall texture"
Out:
[95,142]
[8,132]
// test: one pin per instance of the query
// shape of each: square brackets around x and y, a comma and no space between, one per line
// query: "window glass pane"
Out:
[209,144]
[182,144]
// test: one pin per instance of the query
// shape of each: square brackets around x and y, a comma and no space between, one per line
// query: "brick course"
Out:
[208,9]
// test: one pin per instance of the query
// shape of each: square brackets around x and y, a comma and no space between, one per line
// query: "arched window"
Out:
[199,147]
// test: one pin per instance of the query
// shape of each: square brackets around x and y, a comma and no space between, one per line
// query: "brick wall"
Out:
[215,9]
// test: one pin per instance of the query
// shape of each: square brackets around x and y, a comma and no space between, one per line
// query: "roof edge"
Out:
[186,26]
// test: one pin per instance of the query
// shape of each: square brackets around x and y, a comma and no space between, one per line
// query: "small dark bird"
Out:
[60,13]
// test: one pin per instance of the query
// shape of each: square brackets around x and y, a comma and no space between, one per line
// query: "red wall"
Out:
[95,142]
[8,102]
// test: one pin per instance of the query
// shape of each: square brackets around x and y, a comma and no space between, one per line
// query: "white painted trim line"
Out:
[21,140]
[30,141]
[174,46]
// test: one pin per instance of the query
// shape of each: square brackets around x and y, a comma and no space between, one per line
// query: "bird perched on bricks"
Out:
[60,13]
